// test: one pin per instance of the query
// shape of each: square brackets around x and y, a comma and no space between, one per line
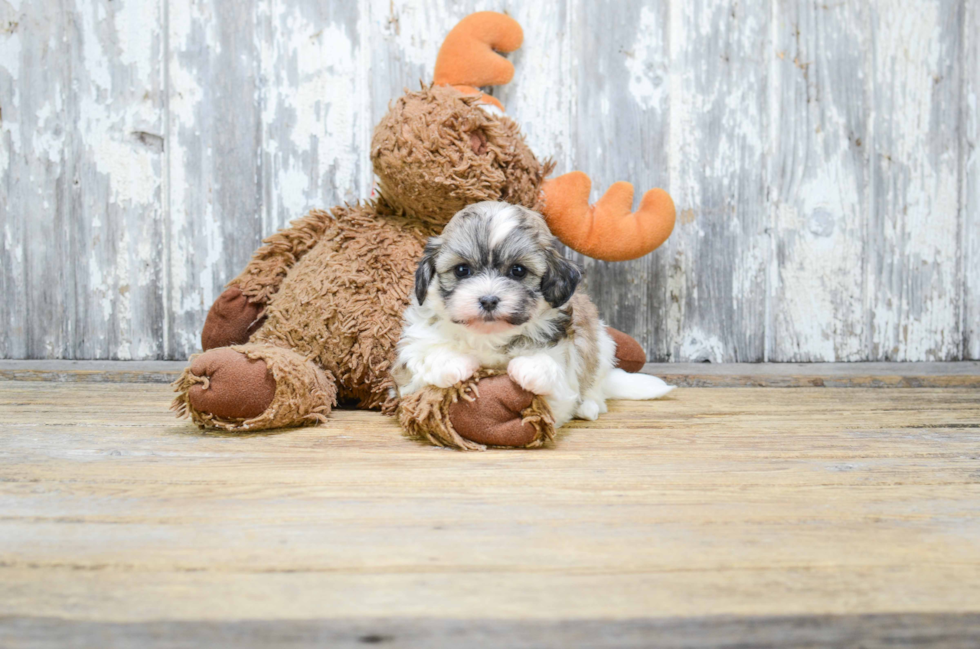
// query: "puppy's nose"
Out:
[489,302]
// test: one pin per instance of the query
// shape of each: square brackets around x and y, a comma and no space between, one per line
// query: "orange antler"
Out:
[606,230]
[468,57]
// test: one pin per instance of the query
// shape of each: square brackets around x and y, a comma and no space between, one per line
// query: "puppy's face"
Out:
[494,268]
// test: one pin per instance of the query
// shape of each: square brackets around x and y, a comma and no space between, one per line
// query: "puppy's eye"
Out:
[518,272]
[461,271]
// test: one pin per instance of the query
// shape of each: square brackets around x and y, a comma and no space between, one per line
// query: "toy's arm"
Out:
[606,230]
[261,278]
[238,311]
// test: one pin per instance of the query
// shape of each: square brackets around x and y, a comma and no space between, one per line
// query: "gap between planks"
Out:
[965,374]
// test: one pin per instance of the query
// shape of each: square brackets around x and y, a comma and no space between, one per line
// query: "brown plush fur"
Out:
[341,305]
[333,286]
[424,159]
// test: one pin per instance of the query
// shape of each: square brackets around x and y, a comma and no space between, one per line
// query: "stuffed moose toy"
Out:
[315,317]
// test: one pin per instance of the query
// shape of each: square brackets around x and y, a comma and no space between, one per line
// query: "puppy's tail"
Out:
[622,385]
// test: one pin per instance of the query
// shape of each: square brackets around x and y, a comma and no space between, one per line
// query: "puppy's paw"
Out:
[588,410]
[539,374]
[450,371]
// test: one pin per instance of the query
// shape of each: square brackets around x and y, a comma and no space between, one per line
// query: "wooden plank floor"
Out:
[802,517]
[960,374]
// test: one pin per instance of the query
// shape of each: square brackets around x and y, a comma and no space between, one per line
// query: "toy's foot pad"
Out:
[495,419]
[630,357]
[236,387]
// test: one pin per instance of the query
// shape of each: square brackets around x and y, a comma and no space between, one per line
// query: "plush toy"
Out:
[314,318]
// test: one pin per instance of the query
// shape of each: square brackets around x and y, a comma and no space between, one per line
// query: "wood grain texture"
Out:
[970,205]
[314,80]
[36,180]
[116,110]
[789,632]
[964,374]
[822,157]
[717,276]
[93,371]
[215,136]
[819,181]
[620,131]
[915,307]
[748,503]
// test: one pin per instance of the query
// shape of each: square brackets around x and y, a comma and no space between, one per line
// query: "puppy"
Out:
[493,291]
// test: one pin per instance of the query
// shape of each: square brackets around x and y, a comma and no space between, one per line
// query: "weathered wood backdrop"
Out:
[822,155]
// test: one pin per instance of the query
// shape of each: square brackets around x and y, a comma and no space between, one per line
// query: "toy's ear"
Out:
[560,280]
[606,230]
[427,269]
[468,57]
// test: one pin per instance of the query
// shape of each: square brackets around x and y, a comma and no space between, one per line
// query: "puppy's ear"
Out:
[560,280]
[427,269]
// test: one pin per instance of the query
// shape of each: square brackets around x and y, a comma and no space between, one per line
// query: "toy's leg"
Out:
[629,355]
[487,410]
[253,387]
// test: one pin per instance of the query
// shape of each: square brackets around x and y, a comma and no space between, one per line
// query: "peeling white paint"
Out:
[533,99]
[196,239]
[106,127]
[117,139]
[136,47]
[645,61]
[697,347]
[818,186]
[10,58]
[12,245]
[94,62]
[916,312]
[132,175]
[716,152]
[48,141]
[120,301]
[314,68]
[417,27]
[970,207]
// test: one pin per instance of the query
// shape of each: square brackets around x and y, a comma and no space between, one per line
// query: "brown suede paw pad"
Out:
[232,386]
[231,320]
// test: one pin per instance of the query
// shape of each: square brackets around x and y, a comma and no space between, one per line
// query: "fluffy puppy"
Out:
[493,291]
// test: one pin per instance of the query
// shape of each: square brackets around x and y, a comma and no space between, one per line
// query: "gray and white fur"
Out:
[493,291]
